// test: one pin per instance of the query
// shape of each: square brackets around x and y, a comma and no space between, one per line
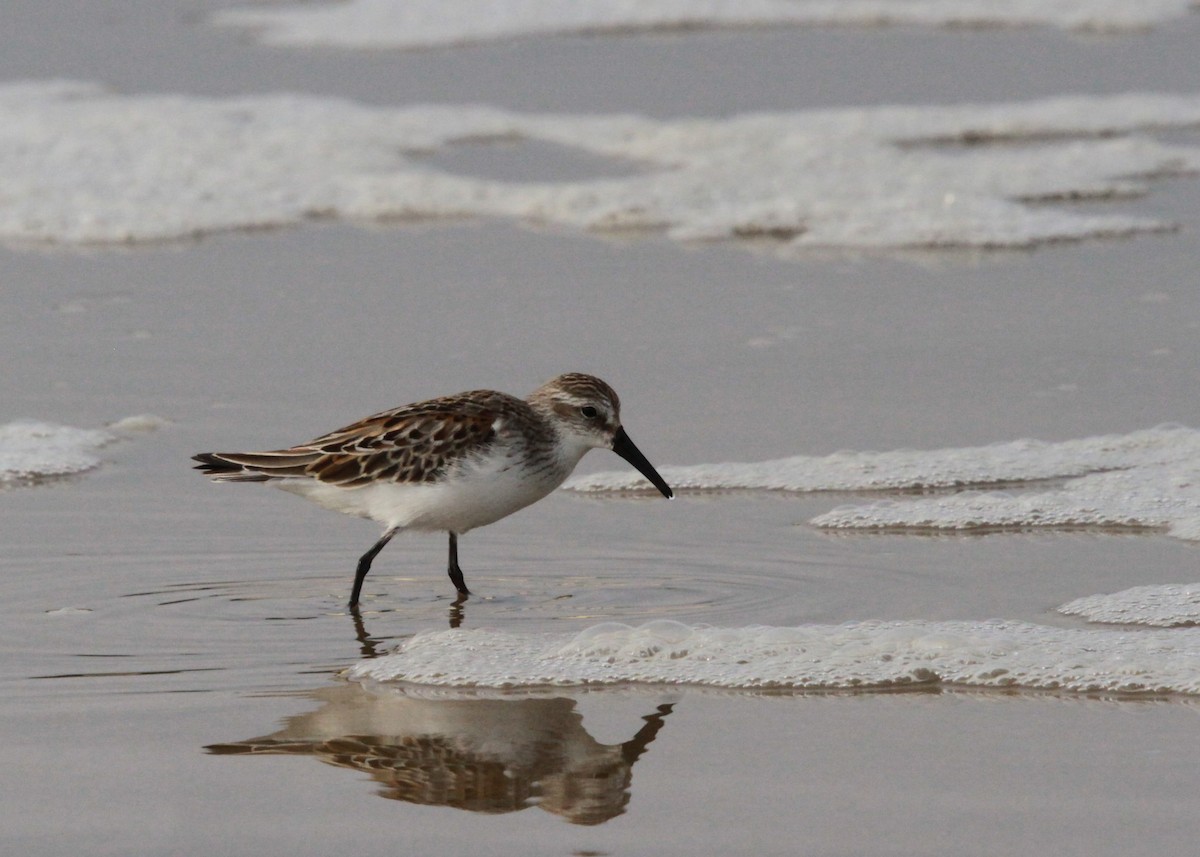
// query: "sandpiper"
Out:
[453,463]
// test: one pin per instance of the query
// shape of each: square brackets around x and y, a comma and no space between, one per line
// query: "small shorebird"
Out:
[453,463]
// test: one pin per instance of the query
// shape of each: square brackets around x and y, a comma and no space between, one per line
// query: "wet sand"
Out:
[148,615]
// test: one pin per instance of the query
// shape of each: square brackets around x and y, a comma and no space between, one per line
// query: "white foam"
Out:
[81,165]
[1163,497]
[139,423]
[429,23]
[31,450]
[993,654]
[1146,479]
[909,469]
[1165,606]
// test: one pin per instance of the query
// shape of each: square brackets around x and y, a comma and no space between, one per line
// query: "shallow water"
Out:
[148,615]
[196,636]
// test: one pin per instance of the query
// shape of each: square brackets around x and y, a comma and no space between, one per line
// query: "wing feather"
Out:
[411,444]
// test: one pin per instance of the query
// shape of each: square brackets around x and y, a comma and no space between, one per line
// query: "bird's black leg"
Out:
[364,564]
[453,570]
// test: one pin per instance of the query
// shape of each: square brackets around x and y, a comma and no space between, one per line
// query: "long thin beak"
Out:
[624,447]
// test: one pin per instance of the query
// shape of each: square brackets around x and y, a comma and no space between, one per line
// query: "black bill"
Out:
[624,447]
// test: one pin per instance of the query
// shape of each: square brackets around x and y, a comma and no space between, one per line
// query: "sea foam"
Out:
[431,23]
[82,165]
[1146,479]
[857,655]
[1165,606]
[31,451]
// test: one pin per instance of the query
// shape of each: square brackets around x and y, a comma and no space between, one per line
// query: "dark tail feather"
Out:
[254,466]
[212,464]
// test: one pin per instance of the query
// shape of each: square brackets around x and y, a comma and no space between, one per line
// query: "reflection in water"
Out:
[368,646]
[483,755]
[457,613]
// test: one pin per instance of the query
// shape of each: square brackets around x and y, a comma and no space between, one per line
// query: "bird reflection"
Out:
[368,646]
[482,755]
[457,612]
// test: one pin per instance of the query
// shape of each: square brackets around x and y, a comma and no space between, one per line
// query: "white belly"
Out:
[462,501]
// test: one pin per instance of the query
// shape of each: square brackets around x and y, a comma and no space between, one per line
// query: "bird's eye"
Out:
[589,412]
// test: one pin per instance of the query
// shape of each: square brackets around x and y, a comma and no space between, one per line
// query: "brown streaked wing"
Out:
[410,444]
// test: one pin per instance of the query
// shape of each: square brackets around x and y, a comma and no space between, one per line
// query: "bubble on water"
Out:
[139,423]
[1168,605]
[428,23]
[993,654]
[32,450]
[82,165]
[1147,479]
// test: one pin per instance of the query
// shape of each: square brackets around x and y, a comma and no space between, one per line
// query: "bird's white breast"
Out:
[476,492]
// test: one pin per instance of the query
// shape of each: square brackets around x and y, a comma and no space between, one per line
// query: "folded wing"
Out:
[413,444]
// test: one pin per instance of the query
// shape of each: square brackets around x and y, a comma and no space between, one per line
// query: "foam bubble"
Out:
[1147,497]
[1147,479]
[906,469]
[81,165]
[429,23]
[31,450]
[1165,606]
[139,423]
[858,655]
